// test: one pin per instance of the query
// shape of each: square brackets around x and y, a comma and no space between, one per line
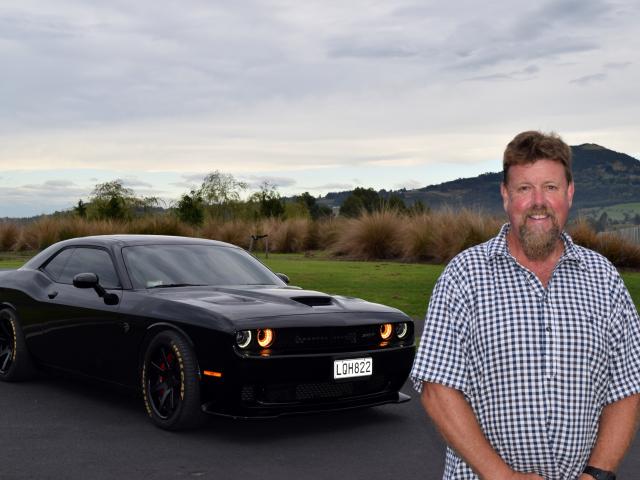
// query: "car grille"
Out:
[306,338]
[308,392]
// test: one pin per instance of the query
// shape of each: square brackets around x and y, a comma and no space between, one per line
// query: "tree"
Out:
[360,200]
[418,208]
[219,188]
[81,209]
[269,201]
[112,200]
[219,194]
[395,202]
[315,210]
[190,208]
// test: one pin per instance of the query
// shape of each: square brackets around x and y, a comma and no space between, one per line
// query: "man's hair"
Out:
[531,146]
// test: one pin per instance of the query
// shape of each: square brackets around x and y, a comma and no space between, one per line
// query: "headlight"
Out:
[401,330]
[243,338]
[385,331]
[265,337]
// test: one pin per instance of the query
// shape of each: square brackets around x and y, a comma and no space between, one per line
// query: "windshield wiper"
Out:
[170,285]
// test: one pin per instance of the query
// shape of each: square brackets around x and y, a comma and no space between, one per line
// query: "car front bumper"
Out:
[268,386]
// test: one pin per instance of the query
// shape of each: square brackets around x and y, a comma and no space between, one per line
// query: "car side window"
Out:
[55,266]
[91,260]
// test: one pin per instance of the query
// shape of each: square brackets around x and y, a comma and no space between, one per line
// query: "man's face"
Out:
[537,198]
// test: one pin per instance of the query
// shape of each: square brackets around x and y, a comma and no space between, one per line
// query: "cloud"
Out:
[526,73]
[330,187]
[316,92]
[57,189]
[369,48]
[575,12]
[589,79]
[195,177]
[256,181]
[46,197]
[134,182]
[58,183]
[617,65]
[409,185]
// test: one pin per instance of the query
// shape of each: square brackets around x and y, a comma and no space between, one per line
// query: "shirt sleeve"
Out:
[441,356]
[624,356]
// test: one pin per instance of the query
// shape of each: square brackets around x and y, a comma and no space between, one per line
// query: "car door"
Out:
[80,332]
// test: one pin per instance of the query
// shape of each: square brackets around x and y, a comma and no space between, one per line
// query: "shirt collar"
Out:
[497,246]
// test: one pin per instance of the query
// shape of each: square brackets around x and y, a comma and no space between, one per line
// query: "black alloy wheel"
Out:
[171,382]
[15,361]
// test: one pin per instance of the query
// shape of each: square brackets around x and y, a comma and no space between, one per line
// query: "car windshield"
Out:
[158,266]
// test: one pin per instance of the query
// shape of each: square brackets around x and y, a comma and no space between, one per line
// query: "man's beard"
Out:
[538,244]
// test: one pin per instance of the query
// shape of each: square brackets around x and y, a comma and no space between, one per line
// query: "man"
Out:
[529,363]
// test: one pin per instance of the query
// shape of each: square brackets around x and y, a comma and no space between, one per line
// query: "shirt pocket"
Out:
[584,350]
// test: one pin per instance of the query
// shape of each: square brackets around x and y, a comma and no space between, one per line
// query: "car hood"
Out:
[248,302]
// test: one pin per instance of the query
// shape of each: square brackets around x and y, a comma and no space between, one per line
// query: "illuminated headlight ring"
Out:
[264,337]
[402,329]
[388,329]
[243,338]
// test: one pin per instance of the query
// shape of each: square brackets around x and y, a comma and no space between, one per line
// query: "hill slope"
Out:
[602,177]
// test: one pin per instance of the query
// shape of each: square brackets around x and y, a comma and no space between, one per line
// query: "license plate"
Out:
[352,367]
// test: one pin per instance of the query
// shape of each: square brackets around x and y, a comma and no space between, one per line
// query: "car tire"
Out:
[171,382]
[15,361]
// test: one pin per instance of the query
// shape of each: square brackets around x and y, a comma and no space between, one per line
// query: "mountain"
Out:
[602,177]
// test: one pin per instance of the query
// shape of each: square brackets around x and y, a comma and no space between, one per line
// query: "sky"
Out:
[313,96]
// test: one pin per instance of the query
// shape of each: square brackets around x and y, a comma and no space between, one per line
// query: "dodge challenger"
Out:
[198,326]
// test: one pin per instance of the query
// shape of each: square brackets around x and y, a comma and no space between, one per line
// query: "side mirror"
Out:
[283,277]
[91,280]
[86,280]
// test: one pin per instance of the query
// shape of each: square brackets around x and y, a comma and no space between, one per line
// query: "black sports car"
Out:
[198,326]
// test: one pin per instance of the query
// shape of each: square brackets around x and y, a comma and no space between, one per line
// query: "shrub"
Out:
[9,236]
[439,236]
[329,230]
[582,233]
[40,234]
[236,232]
[373,235]
[74,227]
[160,225]
[288,236]
[620,251]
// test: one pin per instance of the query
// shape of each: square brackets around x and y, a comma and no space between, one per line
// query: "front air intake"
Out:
[314,301]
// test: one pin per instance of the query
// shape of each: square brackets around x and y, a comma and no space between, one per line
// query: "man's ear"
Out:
[570,191]
[505,196]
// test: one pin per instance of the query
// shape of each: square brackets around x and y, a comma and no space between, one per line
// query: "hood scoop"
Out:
[314,301]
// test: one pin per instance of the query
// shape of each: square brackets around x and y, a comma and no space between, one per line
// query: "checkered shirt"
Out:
[536,365]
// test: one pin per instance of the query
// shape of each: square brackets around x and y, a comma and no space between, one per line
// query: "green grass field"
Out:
[406,286]
[614,212]
[402,285]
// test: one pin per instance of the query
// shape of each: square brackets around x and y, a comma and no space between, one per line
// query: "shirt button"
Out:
[548,329]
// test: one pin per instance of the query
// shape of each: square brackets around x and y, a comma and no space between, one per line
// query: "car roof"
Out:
[120,240]
[128,239]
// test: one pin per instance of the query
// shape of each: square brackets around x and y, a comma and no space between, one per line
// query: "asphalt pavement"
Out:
[66,429]
[54,428]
